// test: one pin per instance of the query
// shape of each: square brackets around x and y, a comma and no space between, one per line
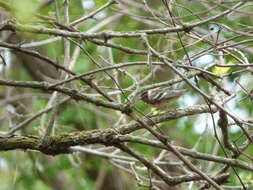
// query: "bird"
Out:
[161,97]
[214,32]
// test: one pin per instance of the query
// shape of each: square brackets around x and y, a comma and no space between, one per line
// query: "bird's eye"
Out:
[214,28]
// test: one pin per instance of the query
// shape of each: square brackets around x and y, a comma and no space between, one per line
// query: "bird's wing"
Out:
[159,95]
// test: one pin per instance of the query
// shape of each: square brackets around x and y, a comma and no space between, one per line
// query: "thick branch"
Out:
[59,144]
[107,35]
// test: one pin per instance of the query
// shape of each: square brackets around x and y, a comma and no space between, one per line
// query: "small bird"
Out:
[161,97]
[215,32]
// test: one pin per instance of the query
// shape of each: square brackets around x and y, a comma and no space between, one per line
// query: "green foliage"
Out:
[72,116]
[25,170]
[24,10]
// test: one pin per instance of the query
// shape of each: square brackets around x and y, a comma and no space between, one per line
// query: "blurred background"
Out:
[198,48]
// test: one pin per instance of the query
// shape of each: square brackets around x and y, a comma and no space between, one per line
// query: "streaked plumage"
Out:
[161,97]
